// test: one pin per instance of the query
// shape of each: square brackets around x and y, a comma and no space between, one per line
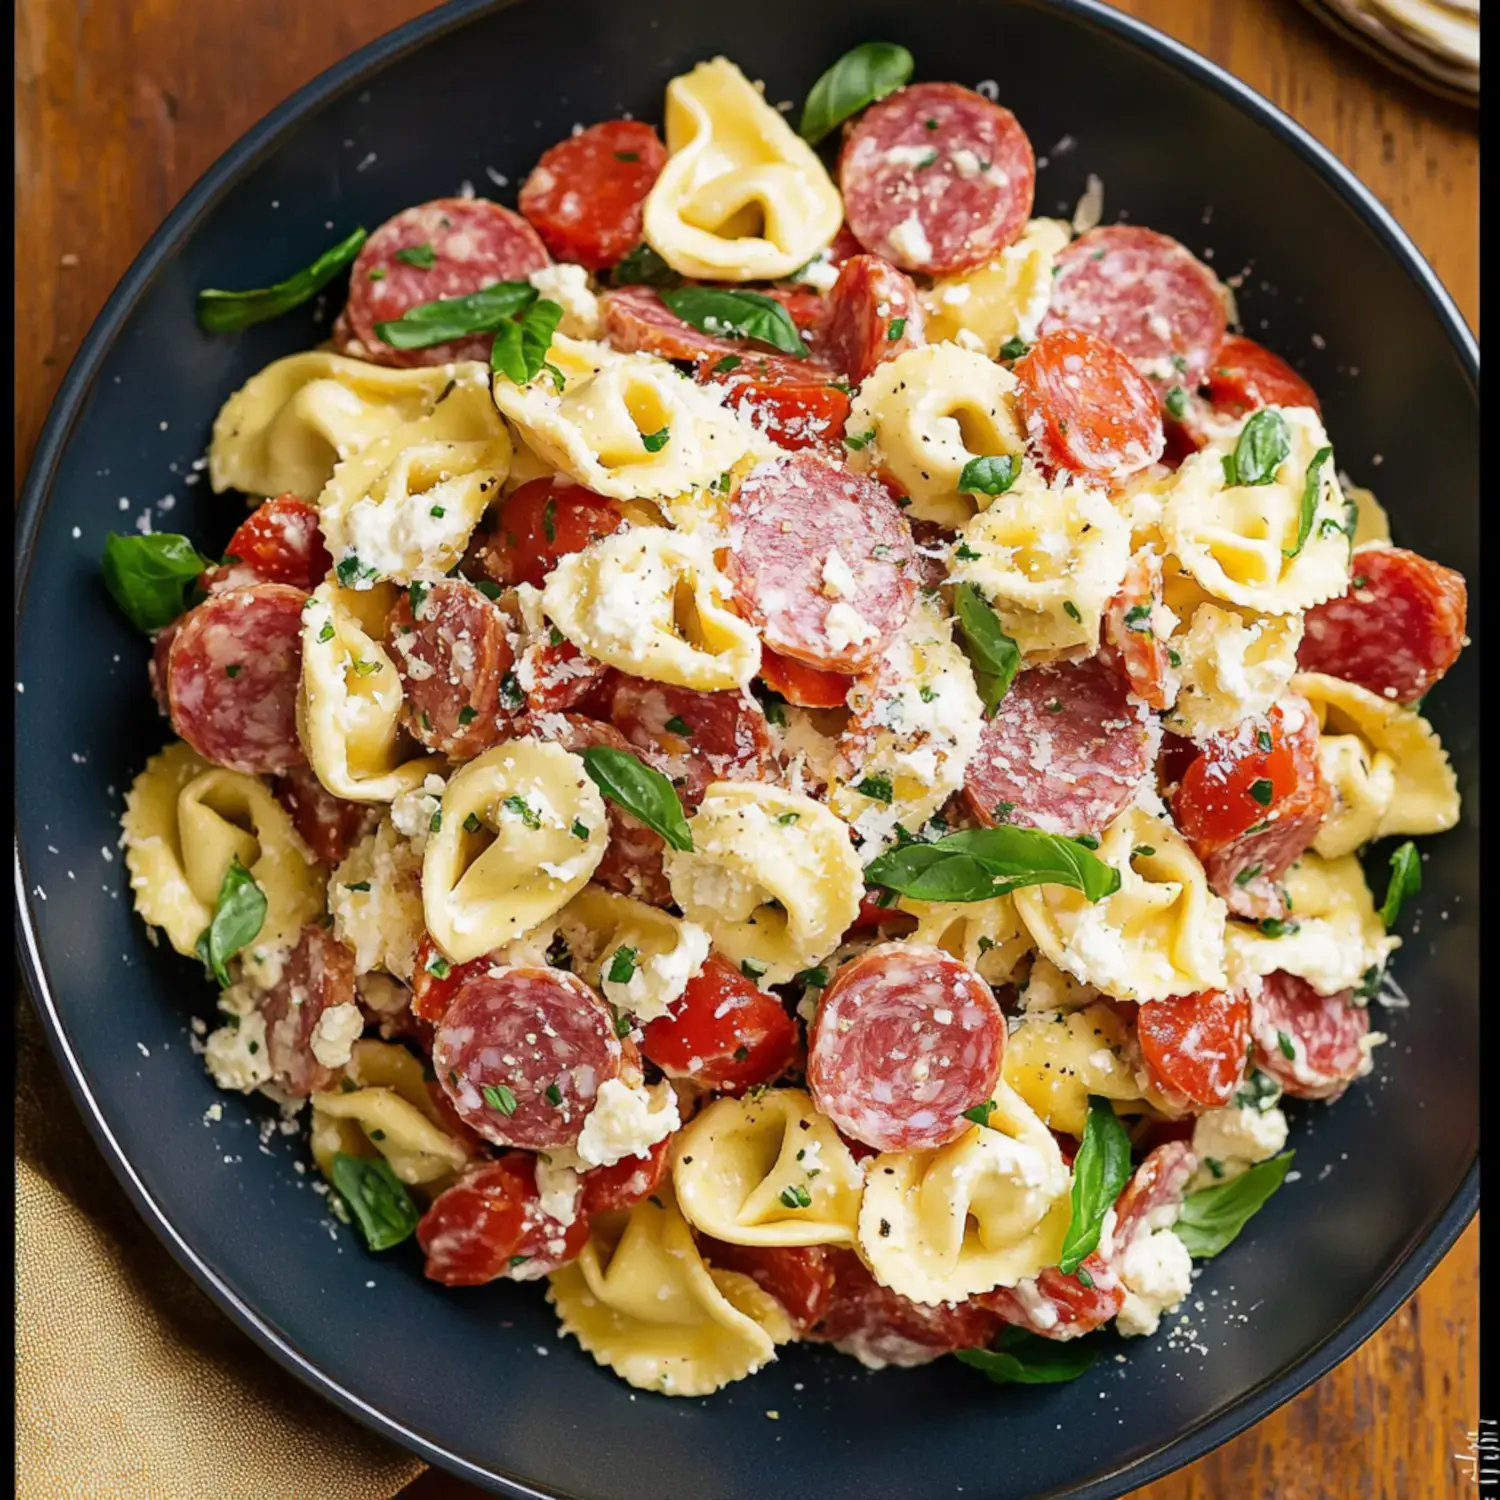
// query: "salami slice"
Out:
[279,542]
[799,1277]
[1323,1033]
[873,316]
[822,560]
[936,178]
[637,320]
[446,248]
[1086,407]
[1193,1046]
[522,1052]
[1246,376]
[1130,641]
[880,1327]
[330,826]
[1065,752]
[316,975]
[586,194]
[1061,1307]
[1398,629]
[1146,294]
[232,675]
[693,738]
[156,668]
[1156,1184]
[557,677]
[452,653]
[633,863]
[906,1039]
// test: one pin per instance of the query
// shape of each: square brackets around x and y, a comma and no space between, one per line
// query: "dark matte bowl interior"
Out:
[479,1380]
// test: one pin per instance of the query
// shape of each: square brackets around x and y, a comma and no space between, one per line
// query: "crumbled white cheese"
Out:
[838,577]
[626,1122]
[845,627]
[1240,1133]
[333,1038]
[568,286]
[1158,1273]
[909,240]
[1090,209]
[557,1186]
[820,273]
[412,811]
[237,1055]
[659,979]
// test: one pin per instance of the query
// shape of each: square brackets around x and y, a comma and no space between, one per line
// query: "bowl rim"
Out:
[1400,1280]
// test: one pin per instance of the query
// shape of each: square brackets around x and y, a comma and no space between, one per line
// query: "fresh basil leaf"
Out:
[1028,1359]
[977,864]
[228,312]
[1100,1171]
[238,916]
[1406,880]
[450,318]
[1212,1217]
[1264,443]
[1310,490]
[521,344]
[377,1198]
[737,315]
[646,793]
[643,267]
[151,577]
[989,476]
[860,77]
[994,656]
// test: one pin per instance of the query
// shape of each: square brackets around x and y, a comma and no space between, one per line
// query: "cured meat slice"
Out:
[1146,294]
[1065,752]
[1129,639]
[880,1327]
[906,1038]
[1325,1036]
[585,195]
[936,178]
[279,542]
[452,653]
[539,523]
[1194,1046]
[446,248]
[799,1277]
[1159,1181]
[1058,1306]
[693,738]
[556,677]
[1086,407]
[632,863]
[822,560]
[725,1032]
[873,316]
[232,675]
[806,687]
[522,1052]
[1398,629]
[1246,375]
[316,975]
[156,668]
[637,320]
[1251,802]
[330,826]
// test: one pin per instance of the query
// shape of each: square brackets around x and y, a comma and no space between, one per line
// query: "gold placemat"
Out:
[130,1383]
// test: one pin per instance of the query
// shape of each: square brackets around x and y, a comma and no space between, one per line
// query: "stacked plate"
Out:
[1433,42]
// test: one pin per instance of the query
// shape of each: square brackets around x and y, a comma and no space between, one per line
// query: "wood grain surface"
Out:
[121,104]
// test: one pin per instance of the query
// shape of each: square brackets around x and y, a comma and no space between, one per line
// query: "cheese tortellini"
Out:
[626,425]
[1005,299]
[1333,936]
[186,821]
[641,1300]
[925,415]
[653,602]
[742,196]
[772,875]
[522,827]
[1160,934]
[1385,764]
[287,427]
[768,1170]
[1232,668]
[388,1113]
[988,936]
[375,898]
[1054,1061]
[1048,558]
[1240,541]
[349,700]
[984,1211]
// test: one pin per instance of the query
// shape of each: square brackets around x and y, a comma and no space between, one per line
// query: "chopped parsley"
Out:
[497,1096]
[422,256]
[896,329]
[876,788]
[796,1197]
[654,442]
[523,810]
[678,725]
[1261,790]
[622,965]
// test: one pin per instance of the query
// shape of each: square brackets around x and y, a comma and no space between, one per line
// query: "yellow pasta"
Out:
[1055,1061]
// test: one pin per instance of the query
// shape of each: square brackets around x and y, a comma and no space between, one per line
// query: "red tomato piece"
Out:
[435,979]
[473,1228]
[799,1277]
[873,917]
[1245,376]
[807,687]
[542,521]
[1194,1046]
[726,1032]
[1086,407]
[586,194]
[807,414]
[1130,641]
[1064,1307]
[630,1179]
[279,542]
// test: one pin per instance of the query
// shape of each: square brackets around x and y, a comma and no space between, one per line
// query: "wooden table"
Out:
[121,104]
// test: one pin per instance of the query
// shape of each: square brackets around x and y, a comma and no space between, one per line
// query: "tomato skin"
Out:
[604,1189]
[1080,1309]
[799,1277]
[541,522]
[473,1228]
[1215,804]
[278,542]
[1246,375]
[722,1014]
[431,993]
[873,917]
[804,686]
[794,408]
[1194,1046]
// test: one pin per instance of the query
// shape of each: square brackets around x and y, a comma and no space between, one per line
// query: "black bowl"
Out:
[479,1381]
